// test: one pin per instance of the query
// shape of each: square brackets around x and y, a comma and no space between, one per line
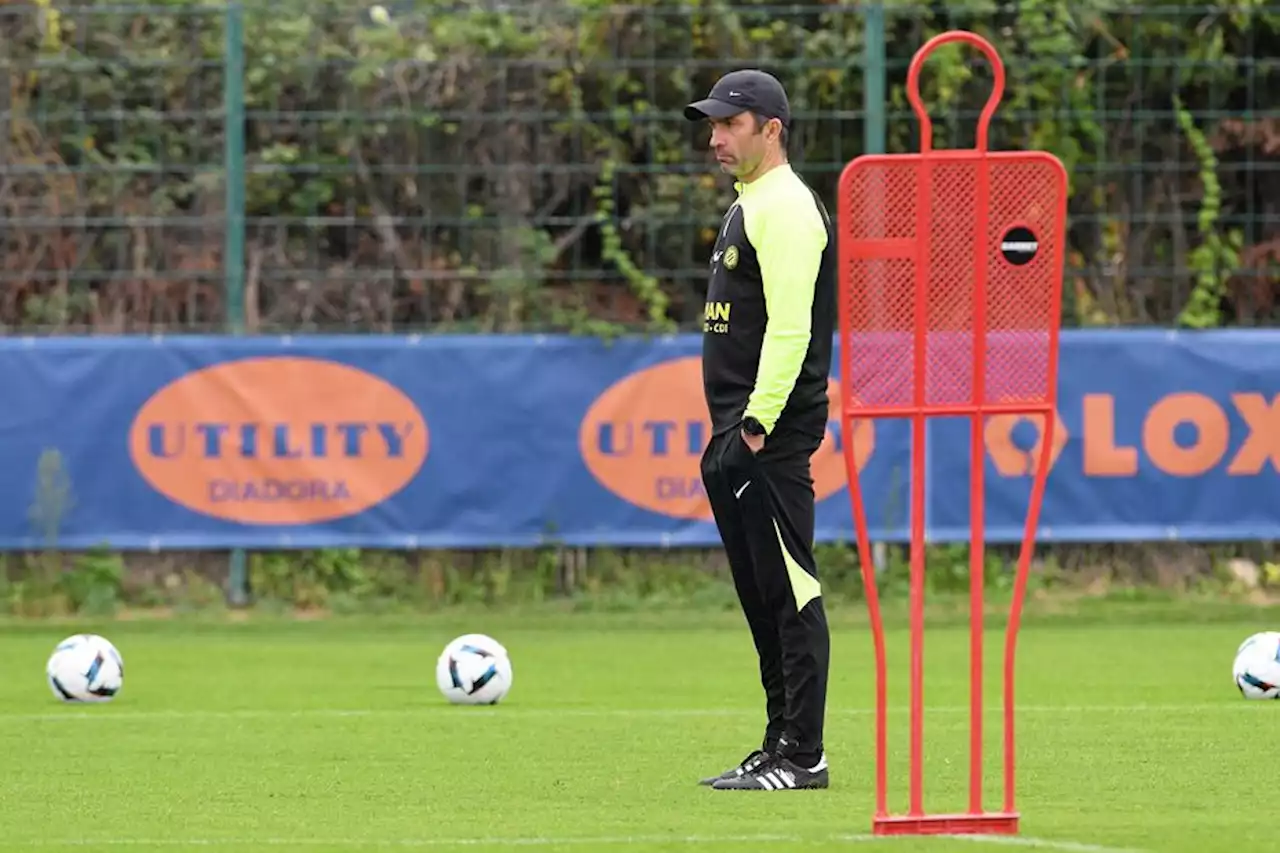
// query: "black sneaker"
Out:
[750,762]
[777,774]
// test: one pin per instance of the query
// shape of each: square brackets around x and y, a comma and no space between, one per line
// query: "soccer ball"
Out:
[85,668]
[1257,666]
[474,670]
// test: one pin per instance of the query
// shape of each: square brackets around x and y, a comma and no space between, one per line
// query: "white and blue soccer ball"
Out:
[474,669]
[1256,669]
[85,668]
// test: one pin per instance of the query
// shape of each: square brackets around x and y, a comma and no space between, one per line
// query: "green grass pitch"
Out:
[274,734]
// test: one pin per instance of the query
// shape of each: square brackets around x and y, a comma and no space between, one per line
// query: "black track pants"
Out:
[764,507]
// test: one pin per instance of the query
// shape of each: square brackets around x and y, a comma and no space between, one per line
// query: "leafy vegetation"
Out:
[339,581]
[503,167]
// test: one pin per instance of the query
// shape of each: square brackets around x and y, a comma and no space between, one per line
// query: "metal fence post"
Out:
[233,249]
[873,79]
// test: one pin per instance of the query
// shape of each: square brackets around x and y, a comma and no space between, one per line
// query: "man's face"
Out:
[740,143]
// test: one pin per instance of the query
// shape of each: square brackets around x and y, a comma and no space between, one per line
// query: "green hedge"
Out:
[463,169]
[101,582]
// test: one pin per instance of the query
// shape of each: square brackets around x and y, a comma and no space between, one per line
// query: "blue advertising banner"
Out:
[477,441]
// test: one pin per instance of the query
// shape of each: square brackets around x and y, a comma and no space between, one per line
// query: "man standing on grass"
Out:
[767,340]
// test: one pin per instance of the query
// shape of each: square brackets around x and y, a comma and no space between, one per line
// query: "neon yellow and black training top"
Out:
[770,312]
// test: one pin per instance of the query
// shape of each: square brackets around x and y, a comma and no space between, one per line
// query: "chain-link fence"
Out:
[516,166]
[111,166]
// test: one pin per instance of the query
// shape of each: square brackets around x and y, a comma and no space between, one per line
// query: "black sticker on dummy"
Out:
[1019,246]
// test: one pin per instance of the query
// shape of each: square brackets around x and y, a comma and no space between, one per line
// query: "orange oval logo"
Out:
[642,439]
[278,440]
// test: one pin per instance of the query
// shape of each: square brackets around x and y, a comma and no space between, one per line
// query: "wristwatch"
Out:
[751,426]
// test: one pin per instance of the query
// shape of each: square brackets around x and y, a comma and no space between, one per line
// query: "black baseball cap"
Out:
[743,91]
